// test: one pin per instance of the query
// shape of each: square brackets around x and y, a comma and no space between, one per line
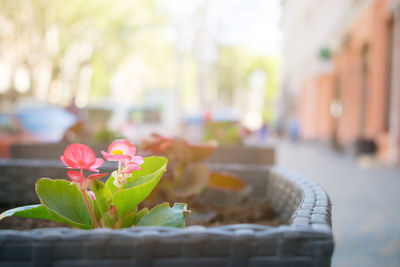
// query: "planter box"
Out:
[18,178]
[46,151]
[306,240]
[243,154]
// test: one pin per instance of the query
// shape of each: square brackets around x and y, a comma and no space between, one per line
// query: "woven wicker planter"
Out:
[18,178]
[305,241]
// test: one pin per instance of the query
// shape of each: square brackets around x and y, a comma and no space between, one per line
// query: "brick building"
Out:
[347,85]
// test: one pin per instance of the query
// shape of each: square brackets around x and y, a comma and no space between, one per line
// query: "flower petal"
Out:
[91,194]
[120,144]
[131,151]
[70,162]
[63,161]
[96,176]
[79,156]
[137,159]
[75,176]
[96,165]
[111,157]
[131,167]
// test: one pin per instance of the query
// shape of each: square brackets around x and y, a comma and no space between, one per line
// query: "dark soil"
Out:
[17,223]
[202,214]
[246,212]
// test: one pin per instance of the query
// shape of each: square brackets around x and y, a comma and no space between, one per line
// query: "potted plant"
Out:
[187,174]
[188,177]
[304,238]
[88,203]
[232,148]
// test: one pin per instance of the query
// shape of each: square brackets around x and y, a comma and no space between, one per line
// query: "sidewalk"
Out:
[366,203]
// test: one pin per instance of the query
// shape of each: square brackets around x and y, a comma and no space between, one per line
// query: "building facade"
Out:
[345,71]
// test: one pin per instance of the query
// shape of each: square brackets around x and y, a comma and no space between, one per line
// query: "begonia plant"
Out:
[88,203]
[187,174]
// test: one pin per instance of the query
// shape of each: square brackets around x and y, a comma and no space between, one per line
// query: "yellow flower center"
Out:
[117,152]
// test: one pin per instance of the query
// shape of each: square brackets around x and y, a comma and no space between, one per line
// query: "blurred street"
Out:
[365,201]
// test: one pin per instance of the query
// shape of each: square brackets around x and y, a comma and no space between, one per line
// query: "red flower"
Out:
[82,157]
[79,156]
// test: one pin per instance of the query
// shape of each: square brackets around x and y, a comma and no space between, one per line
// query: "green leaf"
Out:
[128,220]
[38,212]
[140,185]
[163,215]
[65,200]
[31,211]
[149,166]
[140,215]
[102,203]
[110,185]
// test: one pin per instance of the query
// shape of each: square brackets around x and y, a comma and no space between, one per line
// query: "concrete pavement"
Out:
[366,203]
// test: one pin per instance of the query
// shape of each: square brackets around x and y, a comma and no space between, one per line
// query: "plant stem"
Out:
[95,224]
[118,224]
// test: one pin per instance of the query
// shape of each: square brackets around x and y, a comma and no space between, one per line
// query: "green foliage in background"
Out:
[111,29]
[233,68]
[117,32]
[224,132]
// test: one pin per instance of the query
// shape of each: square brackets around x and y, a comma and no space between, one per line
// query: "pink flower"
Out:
[81,181]
[82,157]
[119,150]
[123,151]
[79,156]
[132,166]
[91,195]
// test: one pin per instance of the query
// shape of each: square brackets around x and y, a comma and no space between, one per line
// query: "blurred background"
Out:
[128,68]
[318,80]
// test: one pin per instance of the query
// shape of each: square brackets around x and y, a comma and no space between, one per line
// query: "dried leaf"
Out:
[225,181]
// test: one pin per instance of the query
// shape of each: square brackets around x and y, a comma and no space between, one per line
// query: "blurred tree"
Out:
[71,50]
[271,67]
[233,68]
[78,46]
